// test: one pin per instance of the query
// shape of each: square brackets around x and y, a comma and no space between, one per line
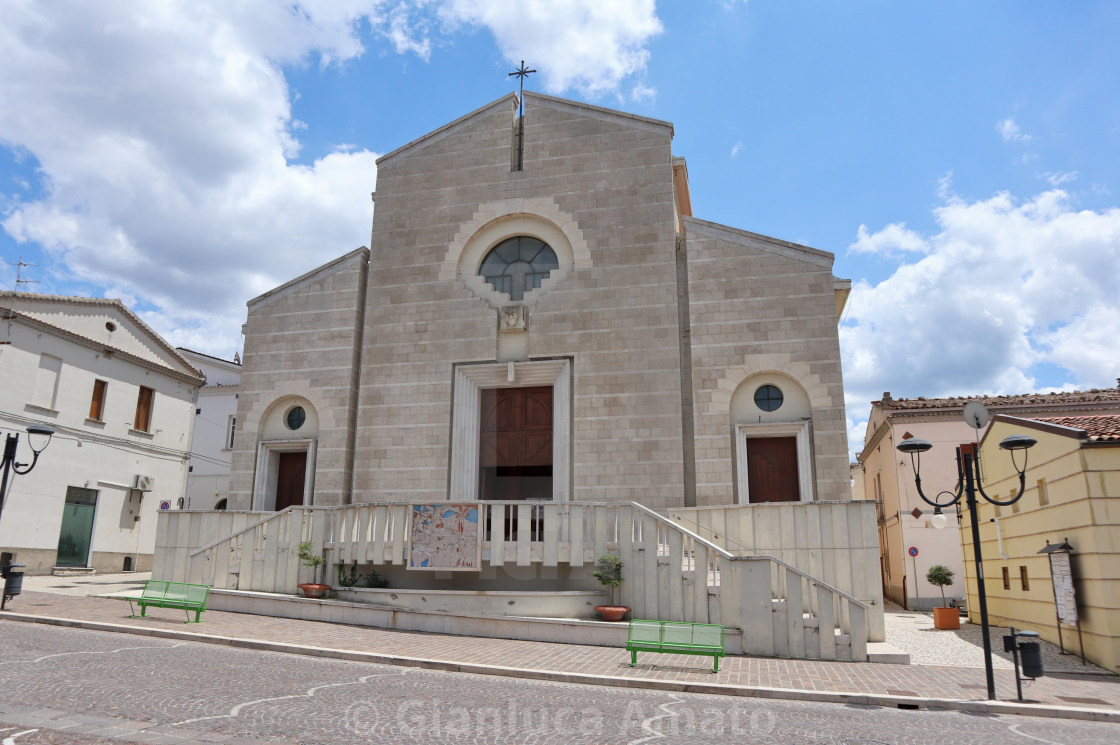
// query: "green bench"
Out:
[676,638]
[171,595]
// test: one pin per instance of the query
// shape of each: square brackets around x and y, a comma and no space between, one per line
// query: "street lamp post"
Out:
[968,474]
[34,434]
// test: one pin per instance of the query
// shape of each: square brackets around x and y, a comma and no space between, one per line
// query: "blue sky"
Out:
[959,158]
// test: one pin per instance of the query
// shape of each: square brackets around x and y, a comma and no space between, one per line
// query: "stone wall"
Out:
[608,177]
[760,305]
[302,341]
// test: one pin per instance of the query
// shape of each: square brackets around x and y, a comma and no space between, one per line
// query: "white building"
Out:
[121,401]
[215,431]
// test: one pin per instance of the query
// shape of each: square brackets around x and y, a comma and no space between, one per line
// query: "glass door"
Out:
[77,527]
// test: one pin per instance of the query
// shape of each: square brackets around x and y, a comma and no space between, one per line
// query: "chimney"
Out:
[887,395]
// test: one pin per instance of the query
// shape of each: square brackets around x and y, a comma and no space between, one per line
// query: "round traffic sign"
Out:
[165,505]
[913,550]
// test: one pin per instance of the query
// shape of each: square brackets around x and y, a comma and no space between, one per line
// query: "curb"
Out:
[719,689]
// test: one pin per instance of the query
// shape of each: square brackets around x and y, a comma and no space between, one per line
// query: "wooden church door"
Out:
[291,472]
[772,469]
[515,443]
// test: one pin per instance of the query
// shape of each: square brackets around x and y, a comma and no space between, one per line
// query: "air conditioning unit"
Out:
[142,483]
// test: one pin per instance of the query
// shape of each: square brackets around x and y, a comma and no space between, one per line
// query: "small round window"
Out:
[768,398]
[296,417]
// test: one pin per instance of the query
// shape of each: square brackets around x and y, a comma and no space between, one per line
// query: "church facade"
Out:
[562,331]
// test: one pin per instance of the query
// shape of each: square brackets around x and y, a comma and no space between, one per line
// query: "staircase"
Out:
[671,573]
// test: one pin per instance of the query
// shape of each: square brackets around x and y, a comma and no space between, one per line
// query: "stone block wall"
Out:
[610,175]
[759,305]
[303,340]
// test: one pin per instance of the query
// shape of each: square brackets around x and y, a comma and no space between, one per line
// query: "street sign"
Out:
[913,550]
[165,505]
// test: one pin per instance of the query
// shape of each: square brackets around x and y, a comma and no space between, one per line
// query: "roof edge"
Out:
[197,378]
[746,238]
[438,134]
[1050,427]
[320,271]
[565,104]
[112,302]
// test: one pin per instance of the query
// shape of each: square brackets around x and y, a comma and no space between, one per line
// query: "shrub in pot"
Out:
[946,616]
[608,570]
[315,562]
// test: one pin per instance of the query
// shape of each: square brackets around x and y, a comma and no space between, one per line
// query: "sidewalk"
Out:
[1075,695]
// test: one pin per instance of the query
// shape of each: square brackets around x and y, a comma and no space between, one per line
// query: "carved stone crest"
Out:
[514,318]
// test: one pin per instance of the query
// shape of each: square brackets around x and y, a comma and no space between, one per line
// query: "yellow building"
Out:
[1072,494]
[883,476]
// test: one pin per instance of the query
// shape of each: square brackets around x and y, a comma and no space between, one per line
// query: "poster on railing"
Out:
[446,537]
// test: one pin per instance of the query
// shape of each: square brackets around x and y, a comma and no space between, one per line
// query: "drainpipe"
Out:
[999,539]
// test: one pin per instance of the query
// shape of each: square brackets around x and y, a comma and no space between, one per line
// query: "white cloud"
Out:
[736,149]
[642,93]
[1006,284]
[1010,131]
[587,45]
[164,134]
[1058,178]
[163,139]
[945,188]
[893,239]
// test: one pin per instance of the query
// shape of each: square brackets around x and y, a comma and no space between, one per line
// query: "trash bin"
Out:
[13,582]
[1031,654]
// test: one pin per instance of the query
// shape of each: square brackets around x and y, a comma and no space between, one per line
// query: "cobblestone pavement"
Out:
[82,586]
[575,663]
[87,687]
[913,632]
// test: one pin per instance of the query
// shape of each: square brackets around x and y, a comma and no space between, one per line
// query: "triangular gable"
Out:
[508,101]
[107,323]
[342,262]
[759,242]
[598,112]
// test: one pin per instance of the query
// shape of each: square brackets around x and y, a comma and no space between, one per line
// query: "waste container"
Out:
[1031,654]
[13,582]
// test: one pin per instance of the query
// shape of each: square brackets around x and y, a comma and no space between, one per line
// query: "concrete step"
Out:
[887,653]
[73,571]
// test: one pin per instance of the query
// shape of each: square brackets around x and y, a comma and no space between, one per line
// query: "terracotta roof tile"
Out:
[1103,395]
[1104,428]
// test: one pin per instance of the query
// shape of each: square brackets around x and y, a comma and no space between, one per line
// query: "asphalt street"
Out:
[75,686]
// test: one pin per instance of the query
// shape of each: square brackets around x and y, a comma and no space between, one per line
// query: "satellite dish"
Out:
[976,415]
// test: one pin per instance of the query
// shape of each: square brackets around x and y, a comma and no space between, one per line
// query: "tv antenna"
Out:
[19,265]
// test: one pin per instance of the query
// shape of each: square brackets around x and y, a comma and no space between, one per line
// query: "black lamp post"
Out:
[968,474]
[35,433]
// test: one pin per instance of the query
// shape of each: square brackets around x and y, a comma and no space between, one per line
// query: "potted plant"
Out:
[608,570]
[945,617]
[315,562]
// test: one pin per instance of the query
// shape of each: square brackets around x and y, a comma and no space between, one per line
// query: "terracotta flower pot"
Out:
[612,612]
[314,589]
[946,618]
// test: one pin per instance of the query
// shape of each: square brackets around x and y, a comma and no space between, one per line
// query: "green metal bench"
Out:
[676,638]
[171,595]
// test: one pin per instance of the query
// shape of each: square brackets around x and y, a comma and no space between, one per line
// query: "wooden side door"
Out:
[772,469]
[291,473]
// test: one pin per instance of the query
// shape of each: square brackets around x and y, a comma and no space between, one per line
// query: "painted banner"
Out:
[445,536]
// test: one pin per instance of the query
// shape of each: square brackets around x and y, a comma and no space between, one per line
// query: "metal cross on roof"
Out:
[521,72]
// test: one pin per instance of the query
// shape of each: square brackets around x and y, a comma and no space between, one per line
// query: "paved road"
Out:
[86,687]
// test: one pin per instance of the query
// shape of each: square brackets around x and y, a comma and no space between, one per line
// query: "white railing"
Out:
[835,542]
[672,573]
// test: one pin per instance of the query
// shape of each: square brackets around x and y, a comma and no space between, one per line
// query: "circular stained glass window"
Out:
[768,398]
[517,265]
[296,417]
